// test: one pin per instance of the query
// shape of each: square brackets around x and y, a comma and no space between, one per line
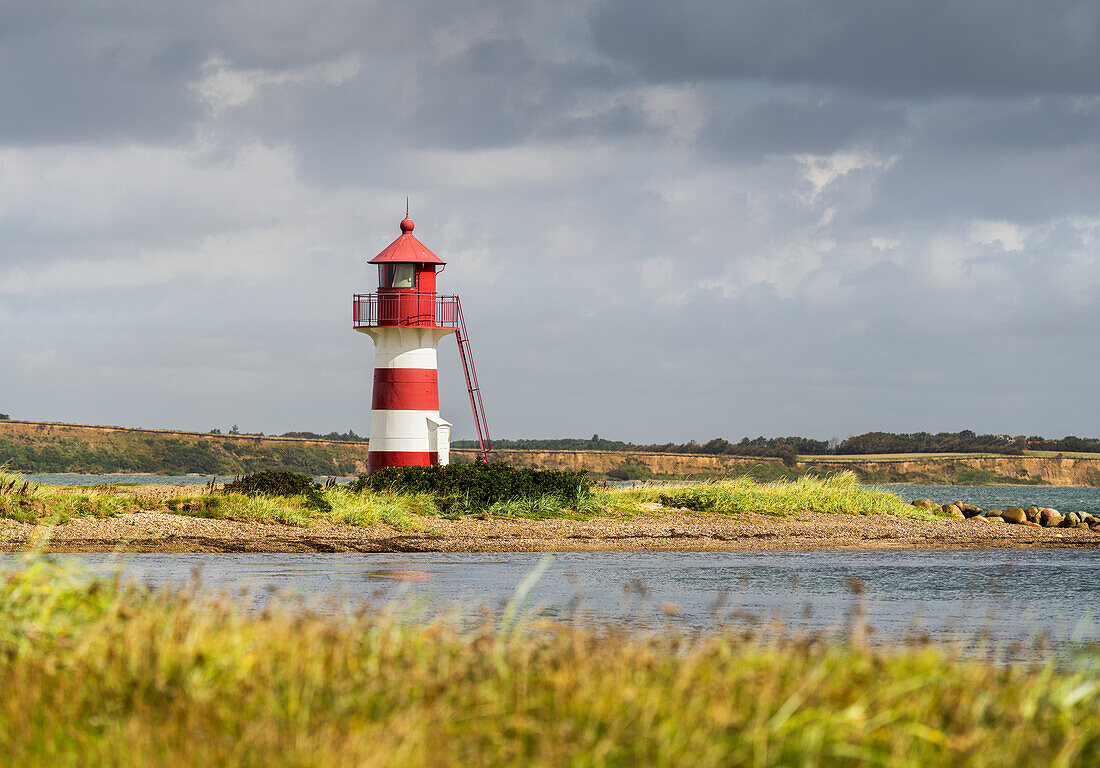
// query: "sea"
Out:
[1007,595]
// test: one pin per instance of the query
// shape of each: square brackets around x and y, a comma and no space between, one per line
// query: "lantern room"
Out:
[406,281]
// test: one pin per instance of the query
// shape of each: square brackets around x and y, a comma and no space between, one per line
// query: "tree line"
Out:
[788,448]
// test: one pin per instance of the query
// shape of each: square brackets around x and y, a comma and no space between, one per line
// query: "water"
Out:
[1010,594]
[1064,499]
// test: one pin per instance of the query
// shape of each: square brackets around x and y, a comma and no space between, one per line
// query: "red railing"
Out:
[417,310]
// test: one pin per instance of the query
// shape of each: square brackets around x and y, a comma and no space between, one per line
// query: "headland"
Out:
[48,447]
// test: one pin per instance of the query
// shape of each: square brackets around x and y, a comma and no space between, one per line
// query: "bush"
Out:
[477,486]
[281,484]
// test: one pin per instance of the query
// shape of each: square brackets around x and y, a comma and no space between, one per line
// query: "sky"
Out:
[666,221]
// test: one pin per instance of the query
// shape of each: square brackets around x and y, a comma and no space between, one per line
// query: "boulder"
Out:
[1032,513]
[1053,521]
[993,513]
[969,510]
[1045,515]
[951,510]
[923,503]
[1071,520]
[1032,523]
[1095,526]
[1014,515]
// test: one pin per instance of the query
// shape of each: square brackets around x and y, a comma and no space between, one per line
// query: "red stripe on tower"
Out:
[380,459]
[405,389]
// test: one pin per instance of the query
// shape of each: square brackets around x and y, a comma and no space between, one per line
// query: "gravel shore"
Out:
[663,531]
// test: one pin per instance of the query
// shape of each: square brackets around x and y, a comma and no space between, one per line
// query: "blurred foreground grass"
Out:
[99,673]
[839,493]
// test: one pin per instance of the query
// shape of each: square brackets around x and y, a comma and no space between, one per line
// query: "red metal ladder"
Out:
[476,405]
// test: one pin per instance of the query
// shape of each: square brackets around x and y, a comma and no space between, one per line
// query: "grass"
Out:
[839,493]
[347,508]
[101,673]
[33,503]
[29,502]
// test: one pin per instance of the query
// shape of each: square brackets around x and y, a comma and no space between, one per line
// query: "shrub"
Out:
[477,486]
[281,484]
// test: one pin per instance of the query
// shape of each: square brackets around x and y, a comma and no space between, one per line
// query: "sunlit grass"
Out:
[840,493]
[29,502]
[101,673]
[397,510]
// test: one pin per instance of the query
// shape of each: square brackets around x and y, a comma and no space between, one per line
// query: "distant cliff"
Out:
[43,447]
[977,470]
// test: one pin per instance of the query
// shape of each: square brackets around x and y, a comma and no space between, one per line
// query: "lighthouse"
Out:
[407,319]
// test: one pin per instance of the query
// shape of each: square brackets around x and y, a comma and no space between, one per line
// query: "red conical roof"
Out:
[406,248]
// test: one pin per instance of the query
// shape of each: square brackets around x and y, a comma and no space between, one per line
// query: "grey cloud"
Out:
[932,181]
[892,47]
[57,86]
[121,71]
[497,93]
[1049,122]
[818,127]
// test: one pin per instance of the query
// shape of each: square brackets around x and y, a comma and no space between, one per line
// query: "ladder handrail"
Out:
[466,354]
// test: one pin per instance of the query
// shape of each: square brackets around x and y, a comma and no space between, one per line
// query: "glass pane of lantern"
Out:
[383,278]
[403,275]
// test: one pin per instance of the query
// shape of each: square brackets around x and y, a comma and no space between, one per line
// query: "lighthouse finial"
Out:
[407,224]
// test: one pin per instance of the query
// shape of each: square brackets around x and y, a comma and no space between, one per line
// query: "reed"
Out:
[97,672]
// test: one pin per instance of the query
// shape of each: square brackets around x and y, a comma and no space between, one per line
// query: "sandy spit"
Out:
[668,531]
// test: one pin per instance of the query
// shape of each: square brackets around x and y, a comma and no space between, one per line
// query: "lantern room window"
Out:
[396,275]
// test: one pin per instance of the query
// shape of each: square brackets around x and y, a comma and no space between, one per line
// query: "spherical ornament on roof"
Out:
[407,225]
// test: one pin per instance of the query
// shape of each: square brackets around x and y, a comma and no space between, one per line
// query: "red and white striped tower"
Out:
[406,319]
[405,428]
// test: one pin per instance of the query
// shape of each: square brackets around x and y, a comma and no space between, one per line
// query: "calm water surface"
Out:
[1012,594]
[1062,498]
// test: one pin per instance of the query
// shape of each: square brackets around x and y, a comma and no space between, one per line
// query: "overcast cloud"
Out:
[666,220]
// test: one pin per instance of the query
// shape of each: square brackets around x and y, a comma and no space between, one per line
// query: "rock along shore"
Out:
[1036,517]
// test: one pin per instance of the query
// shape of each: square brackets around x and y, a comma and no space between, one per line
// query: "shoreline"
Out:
[162,532]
